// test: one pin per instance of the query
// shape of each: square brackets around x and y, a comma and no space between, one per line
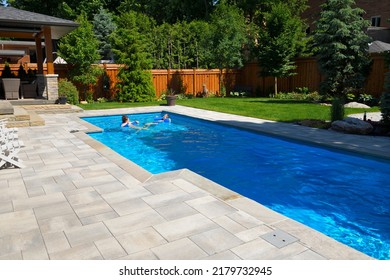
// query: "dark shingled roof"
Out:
[15,19]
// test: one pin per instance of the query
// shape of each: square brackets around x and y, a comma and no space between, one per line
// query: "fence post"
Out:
[169,80]
[194,82]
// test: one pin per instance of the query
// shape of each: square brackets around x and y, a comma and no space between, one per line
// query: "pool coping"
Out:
[316,241]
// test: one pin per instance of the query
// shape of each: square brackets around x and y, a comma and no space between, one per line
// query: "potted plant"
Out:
[10,83]
[171,98]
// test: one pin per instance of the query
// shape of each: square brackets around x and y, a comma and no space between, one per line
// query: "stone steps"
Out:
[26,113]
[23,118]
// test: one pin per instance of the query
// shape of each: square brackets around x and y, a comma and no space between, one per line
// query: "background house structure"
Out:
[35,28]
[376,12]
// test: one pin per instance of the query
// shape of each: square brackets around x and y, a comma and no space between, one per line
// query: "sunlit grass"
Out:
[263,108]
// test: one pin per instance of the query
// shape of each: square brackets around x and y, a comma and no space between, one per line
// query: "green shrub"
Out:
[337,110]
[239,94]
[302,90]
[351,97]
[67,89]
[310,97]
[89,97]
[135,86]
[365,98]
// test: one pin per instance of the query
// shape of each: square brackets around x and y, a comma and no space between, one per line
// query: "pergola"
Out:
[15,23]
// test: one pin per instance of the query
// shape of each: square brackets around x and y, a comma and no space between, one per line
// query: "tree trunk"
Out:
[276,85]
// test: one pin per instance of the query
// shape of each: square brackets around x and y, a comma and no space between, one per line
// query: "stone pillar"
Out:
[48,86]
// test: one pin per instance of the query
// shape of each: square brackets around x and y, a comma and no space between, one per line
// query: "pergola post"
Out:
[49,49]
[38,50]
[47,83]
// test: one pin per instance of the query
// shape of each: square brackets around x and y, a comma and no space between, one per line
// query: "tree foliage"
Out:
[228,36]
[279,42]
[130,42]
[170,11]
[170,34]
[103,26]
[342,47]
[80,49]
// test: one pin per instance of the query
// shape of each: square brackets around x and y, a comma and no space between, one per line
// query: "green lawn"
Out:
[264,108]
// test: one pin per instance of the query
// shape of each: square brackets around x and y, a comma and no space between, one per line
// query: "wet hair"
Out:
[124,118]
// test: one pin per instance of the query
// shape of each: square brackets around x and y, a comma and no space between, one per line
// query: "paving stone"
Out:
[86,234]
[130,206]
[59,223]
[96,181]
[308,255]
[133,222]
[110,188]
[121,196]
[214,209]
[83,198]
[59,186]
[13,193]
[216,240]
[159,200]
[253,233]
[110,248]
[13,256]
[6,207]
[186,186]
[140,240]
[254,250]
[17,222]
[183,227]
[38,201]
[176,211]
[35,254]
[144,255]
[229,224]
[161,187]
[81,252]
[56,242]
[226,255]
[35,191]
[245,219]
[183,249]
[99,218]
[257,210]
[49,211]
[29,241]
[92,209]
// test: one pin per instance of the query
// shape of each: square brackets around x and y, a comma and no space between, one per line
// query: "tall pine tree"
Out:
[342,47]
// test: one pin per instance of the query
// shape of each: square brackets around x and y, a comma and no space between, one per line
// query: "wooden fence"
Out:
[193,81]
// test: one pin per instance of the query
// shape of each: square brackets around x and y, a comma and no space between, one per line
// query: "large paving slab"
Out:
[78,199]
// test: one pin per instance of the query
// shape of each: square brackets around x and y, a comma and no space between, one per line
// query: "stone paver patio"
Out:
[78,199]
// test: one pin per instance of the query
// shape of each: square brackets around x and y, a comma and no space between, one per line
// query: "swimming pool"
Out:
[341,195]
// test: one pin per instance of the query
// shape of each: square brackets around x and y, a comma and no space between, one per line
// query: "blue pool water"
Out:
[341,195]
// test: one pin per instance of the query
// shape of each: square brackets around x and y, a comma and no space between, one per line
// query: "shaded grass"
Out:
[263,108]
[266,108]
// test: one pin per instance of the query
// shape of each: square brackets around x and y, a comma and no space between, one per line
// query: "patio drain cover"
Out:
[279,238]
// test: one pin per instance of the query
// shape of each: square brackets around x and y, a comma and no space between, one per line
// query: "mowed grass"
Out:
[263,108]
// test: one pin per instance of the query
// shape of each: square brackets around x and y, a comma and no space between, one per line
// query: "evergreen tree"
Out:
[342,46]
[131,46]
[228,36]
[80,49]
[280,39]
[103,26]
